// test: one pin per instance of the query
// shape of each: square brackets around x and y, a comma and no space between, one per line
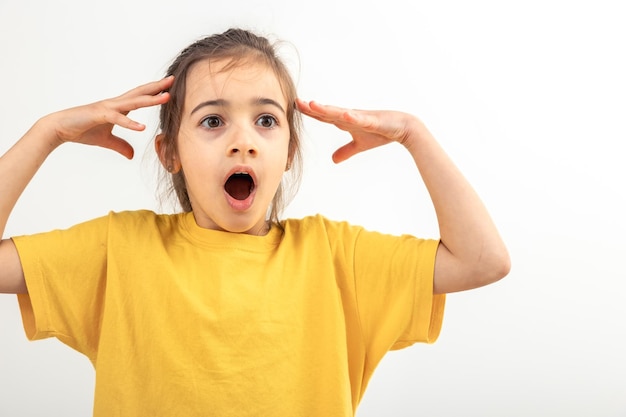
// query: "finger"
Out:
[124,121]
[119,145]
[151,88]
[302,105]
[345,119]
[345,152]
[317,110]
[326,109]
[127,104]
[305,108]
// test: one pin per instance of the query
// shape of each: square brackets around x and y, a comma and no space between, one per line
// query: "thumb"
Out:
[119,145]
[346,151]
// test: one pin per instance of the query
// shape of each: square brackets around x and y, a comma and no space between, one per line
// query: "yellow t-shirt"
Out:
[184,321]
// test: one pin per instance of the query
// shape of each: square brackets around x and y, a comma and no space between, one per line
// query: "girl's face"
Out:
[233,144]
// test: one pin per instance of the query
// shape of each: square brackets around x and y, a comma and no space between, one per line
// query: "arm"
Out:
[91,125]
[471,253]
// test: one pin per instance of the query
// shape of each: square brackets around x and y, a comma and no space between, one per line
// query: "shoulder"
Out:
[144,218]
[346,234]
[331,227]
[320,224]
[142,224]
[112,220]
[320,232]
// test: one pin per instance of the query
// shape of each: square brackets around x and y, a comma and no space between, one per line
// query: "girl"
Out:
[223,309]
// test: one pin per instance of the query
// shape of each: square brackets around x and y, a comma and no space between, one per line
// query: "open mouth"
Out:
[239,185]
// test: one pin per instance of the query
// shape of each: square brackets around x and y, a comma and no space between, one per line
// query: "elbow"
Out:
[493,269]
[453,274]
[500,272]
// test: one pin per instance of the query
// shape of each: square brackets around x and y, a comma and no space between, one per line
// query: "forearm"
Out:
[476,254]
[20,163]
[471,253]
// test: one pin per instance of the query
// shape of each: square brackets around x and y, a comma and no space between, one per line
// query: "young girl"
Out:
[223,309]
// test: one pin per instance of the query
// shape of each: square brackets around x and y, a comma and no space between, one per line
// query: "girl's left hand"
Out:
[369,129]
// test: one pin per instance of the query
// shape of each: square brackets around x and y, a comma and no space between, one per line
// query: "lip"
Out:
[240,205]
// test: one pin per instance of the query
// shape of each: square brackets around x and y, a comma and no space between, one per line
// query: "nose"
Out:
[243,144]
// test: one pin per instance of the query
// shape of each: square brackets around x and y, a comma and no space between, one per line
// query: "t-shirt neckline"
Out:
[211,237]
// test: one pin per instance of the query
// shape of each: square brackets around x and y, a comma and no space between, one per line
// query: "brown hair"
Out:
[238,46]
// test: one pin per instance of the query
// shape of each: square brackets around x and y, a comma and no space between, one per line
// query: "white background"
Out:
[528,98]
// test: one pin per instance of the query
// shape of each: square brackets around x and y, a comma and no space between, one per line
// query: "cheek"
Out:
[200,167]
[194,152]
[276,161]
[282,149]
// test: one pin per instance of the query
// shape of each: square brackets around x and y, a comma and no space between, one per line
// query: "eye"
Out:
[267,121]
[211,122]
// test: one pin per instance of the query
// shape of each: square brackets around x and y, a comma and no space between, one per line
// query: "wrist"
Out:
[45,130]
[416,134]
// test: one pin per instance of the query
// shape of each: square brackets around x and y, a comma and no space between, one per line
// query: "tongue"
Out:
[239,186]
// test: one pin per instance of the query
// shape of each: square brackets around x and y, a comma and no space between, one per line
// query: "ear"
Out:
[169,162]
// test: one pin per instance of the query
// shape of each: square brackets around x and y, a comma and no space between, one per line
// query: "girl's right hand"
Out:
[92,124]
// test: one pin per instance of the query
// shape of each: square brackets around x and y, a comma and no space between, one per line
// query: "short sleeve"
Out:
[65,273]
[394,290]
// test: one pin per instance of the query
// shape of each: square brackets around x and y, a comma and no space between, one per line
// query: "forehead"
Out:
[223,79]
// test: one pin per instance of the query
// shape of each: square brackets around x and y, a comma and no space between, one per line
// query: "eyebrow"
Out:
[224,103]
